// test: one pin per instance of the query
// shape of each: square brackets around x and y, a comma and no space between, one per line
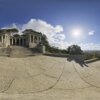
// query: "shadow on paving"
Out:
[78,60]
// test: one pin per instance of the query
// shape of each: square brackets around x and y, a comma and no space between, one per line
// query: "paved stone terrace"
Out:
[48,78]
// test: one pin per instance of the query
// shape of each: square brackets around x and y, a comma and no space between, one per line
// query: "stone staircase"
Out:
[19,51]
[3,52]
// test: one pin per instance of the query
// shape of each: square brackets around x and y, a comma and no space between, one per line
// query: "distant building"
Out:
[10,37]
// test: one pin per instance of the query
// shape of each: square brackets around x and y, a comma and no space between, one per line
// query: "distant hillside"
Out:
[92,51]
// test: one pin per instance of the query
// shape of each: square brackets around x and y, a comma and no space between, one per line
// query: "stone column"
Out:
[33,38]
[12,41]
[2,38]
[15,41]
[38,39]
[23,42]
[19,41]
[30,37]
[5,40]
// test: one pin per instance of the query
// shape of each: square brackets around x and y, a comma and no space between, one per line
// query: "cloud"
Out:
[52,32]
[42,26]
[55,34]
[90,46]
[91,33]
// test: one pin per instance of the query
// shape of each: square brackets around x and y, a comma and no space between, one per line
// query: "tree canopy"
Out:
[44,40]
[74,49]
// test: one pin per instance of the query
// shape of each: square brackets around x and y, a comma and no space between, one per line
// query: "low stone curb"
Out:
[56,55]
[91,60]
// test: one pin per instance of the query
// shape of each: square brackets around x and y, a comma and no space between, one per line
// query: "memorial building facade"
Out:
[11,37]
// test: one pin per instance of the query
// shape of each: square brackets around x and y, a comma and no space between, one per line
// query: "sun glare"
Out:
[76,32]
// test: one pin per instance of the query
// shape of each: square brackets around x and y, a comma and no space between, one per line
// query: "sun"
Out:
[77,32]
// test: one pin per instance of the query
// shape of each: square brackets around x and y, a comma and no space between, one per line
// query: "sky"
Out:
[64,22]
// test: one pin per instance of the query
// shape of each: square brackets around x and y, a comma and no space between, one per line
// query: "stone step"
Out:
[18,51]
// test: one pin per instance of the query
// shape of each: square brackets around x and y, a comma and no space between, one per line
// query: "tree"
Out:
[44,40]
[74,49]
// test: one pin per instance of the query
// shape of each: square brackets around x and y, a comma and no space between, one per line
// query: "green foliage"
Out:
[74,49]
[88,56]
[93,55]
[44,40]
[55,50]
[49,48]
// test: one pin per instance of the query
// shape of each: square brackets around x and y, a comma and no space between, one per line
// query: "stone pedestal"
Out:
[42,48]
